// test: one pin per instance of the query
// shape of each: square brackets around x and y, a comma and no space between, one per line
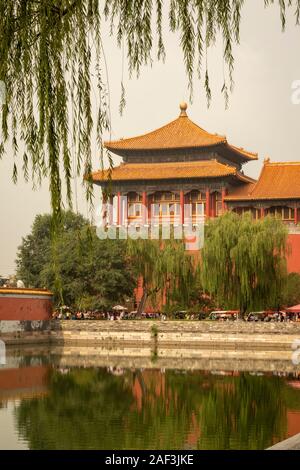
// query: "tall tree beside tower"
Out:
[243,261]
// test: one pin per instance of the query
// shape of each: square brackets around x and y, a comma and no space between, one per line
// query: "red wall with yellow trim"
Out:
[14,308]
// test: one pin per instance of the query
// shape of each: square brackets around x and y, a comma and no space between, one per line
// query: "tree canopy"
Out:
[93,273]
[51,51]
[291,293]
[243,261]
[168,271]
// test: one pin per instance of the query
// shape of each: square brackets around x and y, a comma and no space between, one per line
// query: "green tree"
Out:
[243,261]
[93,273]
[291,294]
[35,251]
[50,51]
[166,269]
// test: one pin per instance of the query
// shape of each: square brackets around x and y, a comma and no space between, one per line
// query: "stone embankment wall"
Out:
[155,334]
[142,357]
[170,344]
[25,331]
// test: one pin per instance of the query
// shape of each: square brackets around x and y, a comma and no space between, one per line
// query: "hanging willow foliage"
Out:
[243,261]
[51,50]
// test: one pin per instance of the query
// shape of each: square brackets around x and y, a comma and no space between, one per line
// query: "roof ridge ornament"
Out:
[183,107]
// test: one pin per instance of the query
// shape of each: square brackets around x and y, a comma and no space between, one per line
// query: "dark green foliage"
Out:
[165,267]
[244,265]
[93,273]
[291,294]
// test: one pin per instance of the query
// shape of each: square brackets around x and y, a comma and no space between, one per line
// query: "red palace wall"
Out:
[25,306]
[293,423]
[293,259]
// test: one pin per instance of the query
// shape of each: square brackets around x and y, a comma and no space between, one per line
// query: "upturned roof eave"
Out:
[104,181]
[236,154]
[260,198]
[244,154]
[245,178]
[128,150]
[96,179]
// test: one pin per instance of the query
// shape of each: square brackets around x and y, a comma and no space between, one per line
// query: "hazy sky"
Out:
[260,118]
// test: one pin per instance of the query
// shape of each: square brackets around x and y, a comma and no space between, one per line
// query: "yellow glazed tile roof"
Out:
[170,170]
[277,181]
[178,134]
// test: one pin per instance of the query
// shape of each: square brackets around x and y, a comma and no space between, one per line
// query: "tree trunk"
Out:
[142,303]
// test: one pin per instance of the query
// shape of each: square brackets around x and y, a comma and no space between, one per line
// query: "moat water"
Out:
[47,404]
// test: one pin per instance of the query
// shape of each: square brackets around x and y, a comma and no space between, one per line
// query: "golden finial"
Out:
[183,107]
[267,160]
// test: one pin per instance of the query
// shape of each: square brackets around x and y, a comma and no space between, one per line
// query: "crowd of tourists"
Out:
[274,317]
[68,314]
[82,315]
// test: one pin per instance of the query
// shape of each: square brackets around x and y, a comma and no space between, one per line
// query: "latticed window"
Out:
[198,209]
[165,209]
[155,210]
[237,210]
[244,210]
[157,196]
[284,213]
[174,209]
[219,208]
[167,196]
[195,196]
[134,197]
[134,210]
[255,213]
[219,205]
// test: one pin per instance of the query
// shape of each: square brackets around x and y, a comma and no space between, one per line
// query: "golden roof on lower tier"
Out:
[169,170]
[277,181]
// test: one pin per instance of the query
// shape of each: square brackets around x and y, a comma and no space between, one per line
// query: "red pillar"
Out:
[224,205]
[296,215]
[207,203]
[119,217]
[144,208]
[104,209]
[124,210]
[262,212]
[213,204]
[111,210]
[181,207]
[149,208]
